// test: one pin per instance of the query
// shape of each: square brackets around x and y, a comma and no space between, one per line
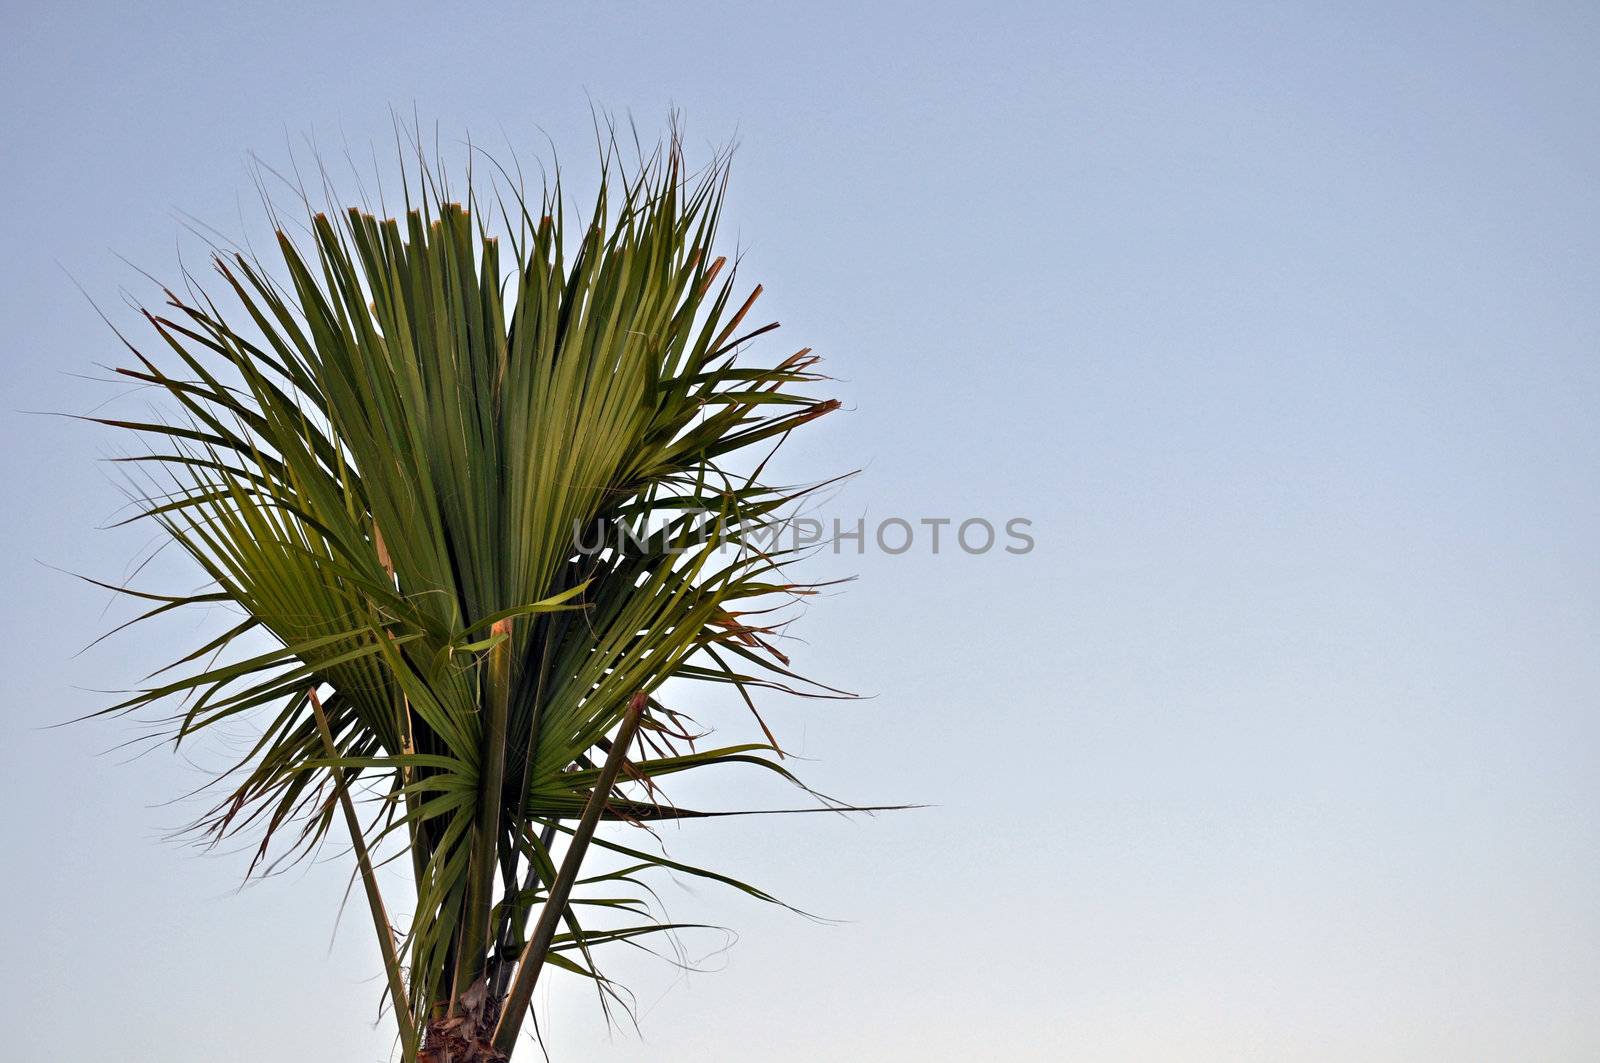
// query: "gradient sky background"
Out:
[1279,321]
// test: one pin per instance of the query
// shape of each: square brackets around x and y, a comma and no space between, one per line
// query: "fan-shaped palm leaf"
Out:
[384,457]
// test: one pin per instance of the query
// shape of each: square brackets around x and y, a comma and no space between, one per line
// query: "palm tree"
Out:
[395,461]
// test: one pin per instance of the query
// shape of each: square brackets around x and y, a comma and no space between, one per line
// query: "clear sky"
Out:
[1279,321]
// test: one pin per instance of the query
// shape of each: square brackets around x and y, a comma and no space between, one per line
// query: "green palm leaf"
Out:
[385,460]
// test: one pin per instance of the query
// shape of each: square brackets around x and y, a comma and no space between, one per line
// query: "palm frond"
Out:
[383,454]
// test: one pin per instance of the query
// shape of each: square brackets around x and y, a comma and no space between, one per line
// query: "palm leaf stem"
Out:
[520,994]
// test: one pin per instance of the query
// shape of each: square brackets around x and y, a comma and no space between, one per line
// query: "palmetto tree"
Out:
[394,455]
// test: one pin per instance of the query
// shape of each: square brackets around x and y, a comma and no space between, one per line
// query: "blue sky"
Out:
[1279,323]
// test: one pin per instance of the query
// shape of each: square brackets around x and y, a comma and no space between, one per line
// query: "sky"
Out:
[1276,321]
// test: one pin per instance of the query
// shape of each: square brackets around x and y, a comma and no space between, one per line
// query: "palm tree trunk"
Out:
[466,1036]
